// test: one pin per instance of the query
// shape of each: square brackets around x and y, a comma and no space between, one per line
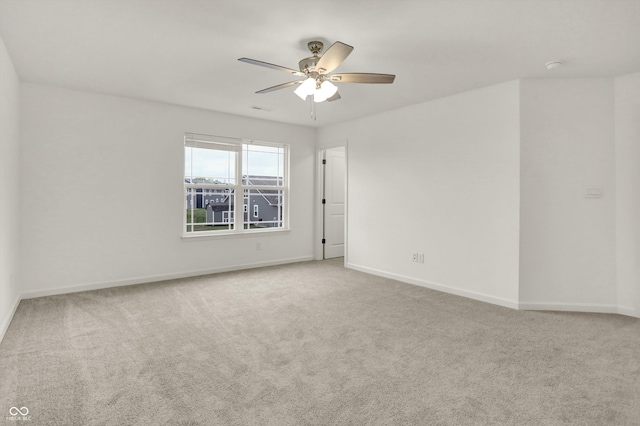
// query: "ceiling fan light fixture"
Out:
[306,88]
[326,90]
[317,72]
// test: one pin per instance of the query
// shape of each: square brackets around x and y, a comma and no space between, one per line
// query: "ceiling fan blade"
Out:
[362,77]
[333,57]
[334,97]
[279,86]
[272,66]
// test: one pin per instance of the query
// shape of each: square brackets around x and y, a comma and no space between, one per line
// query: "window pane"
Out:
[266,208]
[209,166]
[209,209]
[262,165]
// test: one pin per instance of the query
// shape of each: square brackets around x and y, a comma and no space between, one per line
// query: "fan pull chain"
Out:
[313,108]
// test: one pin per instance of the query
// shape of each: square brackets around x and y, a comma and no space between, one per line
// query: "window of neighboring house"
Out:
[242,169]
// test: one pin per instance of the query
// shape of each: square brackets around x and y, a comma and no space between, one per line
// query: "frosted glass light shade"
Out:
[306,88]
[326,90]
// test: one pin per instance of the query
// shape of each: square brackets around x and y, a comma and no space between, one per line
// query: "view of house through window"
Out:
[222,173]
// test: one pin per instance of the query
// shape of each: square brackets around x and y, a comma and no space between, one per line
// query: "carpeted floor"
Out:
[312,344]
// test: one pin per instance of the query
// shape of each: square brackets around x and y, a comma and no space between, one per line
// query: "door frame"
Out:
[319,210]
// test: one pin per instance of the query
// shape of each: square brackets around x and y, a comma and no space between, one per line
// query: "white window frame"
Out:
[236,145]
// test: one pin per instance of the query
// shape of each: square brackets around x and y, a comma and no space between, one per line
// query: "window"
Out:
[238,170]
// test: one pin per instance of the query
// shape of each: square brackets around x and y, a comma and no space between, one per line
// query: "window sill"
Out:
[223,234]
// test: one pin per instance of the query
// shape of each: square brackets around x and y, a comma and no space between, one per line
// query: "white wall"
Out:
[439,178]
[491,179]
[102,192]
[567,241]
[9,189]
[627,158]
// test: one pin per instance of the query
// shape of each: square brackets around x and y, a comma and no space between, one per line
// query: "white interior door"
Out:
[334,195]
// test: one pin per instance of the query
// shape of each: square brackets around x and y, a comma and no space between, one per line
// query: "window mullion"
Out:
[238,195]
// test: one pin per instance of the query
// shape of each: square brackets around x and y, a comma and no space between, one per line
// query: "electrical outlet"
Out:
[415,257]
[420,257]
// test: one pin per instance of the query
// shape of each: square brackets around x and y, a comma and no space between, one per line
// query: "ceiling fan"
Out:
[317,69]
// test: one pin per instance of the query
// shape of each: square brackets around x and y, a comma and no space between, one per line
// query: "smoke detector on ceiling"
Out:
[553,65]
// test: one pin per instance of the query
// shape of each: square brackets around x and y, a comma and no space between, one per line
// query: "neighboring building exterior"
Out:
[261,208]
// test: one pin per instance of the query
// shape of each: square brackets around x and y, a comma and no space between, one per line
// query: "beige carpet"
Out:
[312,344]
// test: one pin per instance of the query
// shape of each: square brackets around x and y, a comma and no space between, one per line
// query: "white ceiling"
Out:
[185,52]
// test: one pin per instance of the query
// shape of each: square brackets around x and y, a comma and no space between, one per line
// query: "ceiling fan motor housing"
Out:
[309,64]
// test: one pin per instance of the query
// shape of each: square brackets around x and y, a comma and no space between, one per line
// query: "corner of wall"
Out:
[9,189]
[627,181]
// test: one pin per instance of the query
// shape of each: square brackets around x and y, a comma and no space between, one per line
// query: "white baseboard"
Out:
[569,307]
[625,310]
[580,307]
[4,325]
[164,277]
[440,287]
[532,306]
